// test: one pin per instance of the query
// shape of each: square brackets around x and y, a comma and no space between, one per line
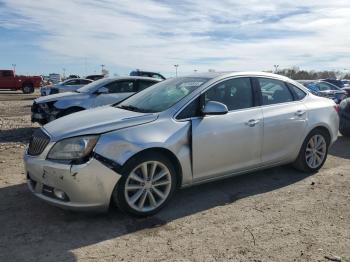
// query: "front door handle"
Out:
[300,112]
[252,122]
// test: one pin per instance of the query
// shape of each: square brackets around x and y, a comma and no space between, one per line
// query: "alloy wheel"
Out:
[147,186]
[316,150]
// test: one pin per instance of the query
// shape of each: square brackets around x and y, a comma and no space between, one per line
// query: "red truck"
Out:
[8,80]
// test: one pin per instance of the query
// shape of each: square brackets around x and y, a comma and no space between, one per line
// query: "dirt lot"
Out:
[275,215]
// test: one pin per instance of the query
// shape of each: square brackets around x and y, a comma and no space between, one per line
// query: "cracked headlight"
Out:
[75,148]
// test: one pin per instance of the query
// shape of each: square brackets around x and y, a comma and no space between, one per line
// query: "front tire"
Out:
[313,153]
[147,184]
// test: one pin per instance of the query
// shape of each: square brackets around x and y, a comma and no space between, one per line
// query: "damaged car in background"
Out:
[178,133]
[105,91]
[69,85]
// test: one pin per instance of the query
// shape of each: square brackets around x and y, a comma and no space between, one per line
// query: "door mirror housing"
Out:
[214,108]
[102,90]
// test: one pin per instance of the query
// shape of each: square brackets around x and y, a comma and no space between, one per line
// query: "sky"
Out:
[43,37]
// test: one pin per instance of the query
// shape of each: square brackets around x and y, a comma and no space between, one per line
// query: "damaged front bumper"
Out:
[85,187]
[43,113]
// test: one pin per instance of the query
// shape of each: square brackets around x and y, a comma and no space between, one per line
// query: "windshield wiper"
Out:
[131,108]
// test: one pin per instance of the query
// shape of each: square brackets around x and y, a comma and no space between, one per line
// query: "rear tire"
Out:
[28,88]
[144,195]
[313,153]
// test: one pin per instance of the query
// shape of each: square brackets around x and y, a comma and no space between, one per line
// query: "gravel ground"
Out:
[275,215]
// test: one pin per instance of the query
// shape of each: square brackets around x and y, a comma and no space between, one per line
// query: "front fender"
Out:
[119,146]
[64,104]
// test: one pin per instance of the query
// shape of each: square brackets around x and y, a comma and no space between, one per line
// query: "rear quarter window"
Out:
[298,93]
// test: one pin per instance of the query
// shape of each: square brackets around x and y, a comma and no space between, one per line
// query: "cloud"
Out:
[155,35]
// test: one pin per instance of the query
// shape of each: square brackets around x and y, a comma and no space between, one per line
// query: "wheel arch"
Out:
[165,152]
[316,127]
[300,163]
[323,128]
[27,82]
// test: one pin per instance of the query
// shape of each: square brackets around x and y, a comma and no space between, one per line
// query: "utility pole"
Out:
[176,66]
[102,68]
[64,73]
[14,69]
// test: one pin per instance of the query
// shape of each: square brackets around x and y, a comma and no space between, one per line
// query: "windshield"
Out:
[89,88]
[163,95]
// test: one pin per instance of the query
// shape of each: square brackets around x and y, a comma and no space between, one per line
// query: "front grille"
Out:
[38,142]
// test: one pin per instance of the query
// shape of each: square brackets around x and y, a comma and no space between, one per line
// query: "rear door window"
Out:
[121,87]
[274,91]
[72,82]
[144,84]
[84,82]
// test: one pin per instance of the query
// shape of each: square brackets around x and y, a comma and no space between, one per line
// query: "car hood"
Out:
[60,96]
[96,121]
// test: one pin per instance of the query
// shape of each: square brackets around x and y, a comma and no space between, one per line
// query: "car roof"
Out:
[143,71]
[218,76]
[314,81]
[134,78]
[77,79]
[224,74]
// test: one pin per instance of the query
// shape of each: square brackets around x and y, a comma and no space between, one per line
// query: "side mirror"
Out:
[214,108]
[102,90]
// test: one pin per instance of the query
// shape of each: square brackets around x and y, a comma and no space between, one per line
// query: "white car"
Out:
[69,85]
[101,92]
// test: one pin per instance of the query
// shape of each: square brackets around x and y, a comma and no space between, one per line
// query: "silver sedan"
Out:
[178,133]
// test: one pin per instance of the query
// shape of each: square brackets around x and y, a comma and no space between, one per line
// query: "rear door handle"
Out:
[252,122]
[300,112]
